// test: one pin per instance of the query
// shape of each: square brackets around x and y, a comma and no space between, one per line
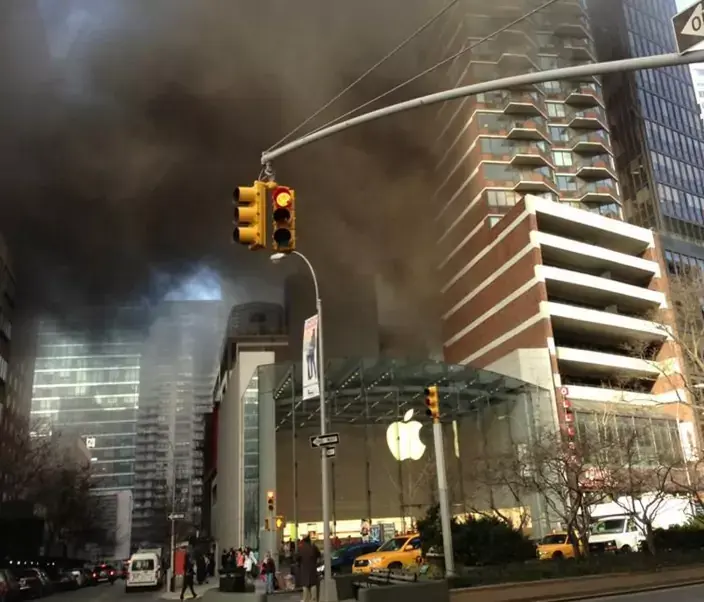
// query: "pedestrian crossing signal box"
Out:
[280,522]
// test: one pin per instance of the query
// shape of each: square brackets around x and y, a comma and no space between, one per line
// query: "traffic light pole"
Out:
[443,499]
[329,588]
[633,64]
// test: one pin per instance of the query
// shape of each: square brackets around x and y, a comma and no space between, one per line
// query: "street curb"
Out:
[620,592]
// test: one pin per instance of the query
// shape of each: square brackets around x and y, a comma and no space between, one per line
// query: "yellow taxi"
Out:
[555,546]
[402,550]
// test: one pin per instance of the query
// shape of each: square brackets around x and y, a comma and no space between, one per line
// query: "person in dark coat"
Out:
[307,577]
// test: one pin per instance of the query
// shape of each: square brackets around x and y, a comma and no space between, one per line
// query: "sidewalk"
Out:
[200,590]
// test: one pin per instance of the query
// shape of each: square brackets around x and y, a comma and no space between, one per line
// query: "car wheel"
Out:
[558,556]
[626,549]
[394,566]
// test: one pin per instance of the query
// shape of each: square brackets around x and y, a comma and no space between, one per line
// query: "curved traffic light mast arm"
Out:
[632,64]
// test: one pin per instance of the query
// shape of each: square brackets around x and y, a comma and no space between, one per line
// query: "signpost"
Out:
[330,452]
[173,516]
[689,28]
[326,440]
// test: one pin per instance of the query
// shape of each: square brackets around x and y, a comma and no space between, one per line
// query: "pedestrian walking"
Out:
[188,574]
[269,571]
[308,556]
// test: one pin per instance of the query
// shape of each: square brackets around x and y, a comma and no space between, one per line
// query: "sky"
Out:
[126,126]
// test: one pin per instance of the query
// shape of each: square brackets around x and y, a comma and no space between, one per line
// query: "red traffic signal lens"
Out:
[282,197]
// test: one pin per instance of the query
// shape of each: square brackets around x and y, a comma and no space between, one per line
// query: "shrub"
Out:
[478,542]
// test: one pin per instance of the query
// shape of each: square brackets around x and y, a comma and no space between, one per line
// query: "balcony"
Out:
[602,191]
[574,25]
[579,48]
[531,129]
[583,95]
[596,167]
[605,327]
[594,142]
[564,221]
[523,102]
[530,155]
[581,362]
[533,181]
[624,268]
[578,287]
[588,119]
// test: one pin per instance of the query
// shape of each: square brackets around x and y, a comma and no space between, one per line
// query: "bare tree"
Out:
[567,477]
[498,489]
[640,480]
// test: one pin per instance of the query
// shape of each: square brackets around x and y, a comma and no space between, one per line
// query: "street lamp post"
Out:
[329,590]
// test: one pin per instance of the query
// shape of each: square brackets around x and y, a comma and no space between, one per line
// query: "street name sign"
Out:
[327,440]
[176,516]
[689,28]
[330,452]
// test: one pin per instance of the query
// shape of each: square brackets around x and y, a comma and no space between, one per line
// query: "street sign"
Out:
[173,516]
[689,28]
[329,452]
[327,440]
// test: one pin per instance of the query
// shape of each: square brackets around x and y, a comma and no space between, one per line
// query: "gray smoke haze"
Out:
[120,152]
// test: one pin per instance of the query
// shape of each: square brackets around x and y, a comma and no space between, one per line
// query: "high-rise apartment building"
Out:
[656,128]
[178,368]
[542,279]
[697,71]
[88,385]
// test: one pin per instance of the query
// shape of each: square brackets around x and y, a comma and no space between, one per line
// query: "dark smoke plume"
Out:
[119,152]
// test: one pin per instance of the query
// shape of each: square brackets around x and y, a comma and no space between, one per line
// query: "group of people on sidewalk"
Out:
[245,558]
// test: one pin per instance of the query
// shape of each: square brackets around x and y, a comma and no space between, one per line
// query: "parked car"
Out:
[90,580]
[9,586]
[30,584]
[104,573]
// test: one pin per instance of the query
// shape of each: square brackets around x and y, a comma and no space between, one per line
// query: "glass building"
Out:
[655,126]
[89,386]
[178,368]
[384,467]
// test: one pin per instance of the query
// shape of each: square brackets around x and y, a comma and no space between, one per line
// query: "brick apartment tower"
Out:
[542,279]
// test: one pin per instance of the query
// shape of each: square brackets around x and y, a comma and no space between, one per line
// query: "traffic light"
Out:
[270,499]
[250,215]
[283,203]
[432,402]
[280,522]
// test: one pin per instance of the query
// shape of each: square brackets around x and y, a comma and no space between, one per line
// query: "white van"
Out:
[144,570]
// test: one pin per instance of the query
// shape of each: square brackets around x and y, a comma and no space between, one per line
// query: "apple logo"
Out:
[403,438]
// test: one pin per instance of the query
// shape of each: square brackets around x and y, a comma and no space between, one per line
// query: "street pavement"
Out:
[691,593]
[104,593]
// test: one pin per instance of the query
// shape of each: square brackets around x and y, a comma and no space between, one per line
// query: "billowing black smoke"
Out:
[128,123]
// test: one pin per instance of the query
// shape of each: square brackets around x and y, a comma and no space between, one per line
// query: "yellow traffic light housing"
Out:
[280,522]
[283,206]
[432,402]
[270,500]
[250,215]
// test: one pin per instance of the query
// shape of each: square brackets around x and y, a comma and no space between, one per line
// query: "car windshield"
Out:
[614,525]
[555,538]
[393,545]
[143,564]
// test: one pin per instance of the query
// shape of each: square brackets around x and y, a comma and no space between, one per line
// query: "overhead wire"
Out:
[449,59]
[368,72]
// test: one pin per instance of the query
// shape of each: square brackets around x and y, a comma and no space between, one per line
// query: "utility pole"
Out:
[633,64]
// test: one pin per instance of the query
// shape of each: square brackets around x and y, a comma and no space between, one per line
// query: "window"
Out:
[566,183]
[556,109]
[492,220]
[502,198]
[562,158]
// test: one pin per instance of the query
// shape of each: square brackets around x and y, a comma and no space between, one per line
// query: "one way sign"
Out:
[327,440]
[689,28]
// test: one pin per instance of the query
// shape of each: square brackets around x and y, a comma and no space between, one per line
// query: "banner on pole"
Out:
[311,385]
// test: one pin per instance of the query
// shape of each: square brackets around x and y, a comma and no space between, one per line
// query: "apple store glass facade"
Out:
[384,467]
